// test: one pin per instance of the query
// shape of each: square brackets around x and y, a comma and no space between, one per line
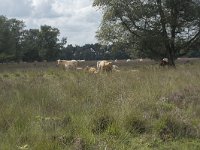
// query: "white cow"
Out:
[140,59]
[115,67]
[104,66]
[165,59]
[68,64]
[81,60]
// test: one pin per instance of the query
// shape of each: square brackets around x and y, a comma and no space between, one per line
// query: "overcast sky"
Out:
[76,19]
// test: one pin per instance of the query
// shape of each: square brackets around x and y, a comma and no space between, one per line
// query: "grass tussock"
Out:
[151,108]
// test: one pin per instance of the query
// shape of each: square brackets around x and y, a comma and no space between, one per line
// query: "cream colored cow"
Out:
[91,70]
[104,66]
[68,64]
[115,67]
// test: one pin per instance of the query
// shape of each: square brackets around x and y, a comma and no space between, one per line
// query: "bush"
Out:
[100,124]
[135,125]
[170,128]
[184,98]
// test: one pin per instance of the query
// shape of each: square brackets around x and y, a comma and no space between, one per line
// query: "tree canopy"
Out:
[18,43]
[155,28]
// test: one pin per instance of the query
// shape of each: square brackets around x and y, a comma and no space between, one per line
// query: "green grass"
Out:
[154,108]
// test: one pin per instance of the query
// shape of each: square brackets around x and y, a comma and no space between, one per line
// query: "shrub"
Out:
[184,98]
[100,124]
[66,120]
[170,128]
[135,125]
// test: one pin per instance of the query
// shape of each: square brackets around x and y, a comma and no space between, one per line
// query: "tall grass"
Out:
[153,108]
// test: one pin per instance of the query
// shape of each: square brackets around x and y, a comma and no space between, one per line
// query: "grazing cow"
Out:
[115,67]
[91,70]
[68,64]
[98,67]
[164,62]
[60,62]
[140,59]
[104,66]
[81,60]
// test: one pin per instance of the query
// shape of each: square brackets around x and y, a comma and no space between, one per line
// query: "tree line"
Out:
[94,52]
[20,44]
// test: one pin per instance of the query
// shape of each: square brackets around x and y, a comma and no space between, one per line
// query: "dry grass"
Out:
[43,107]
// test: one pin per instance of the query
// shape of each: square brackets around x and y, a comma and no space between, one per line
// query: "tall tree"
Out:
[16,28]
[155,27]
[30,45]
[18,44]
[68,52]
[7,41]
[49,43]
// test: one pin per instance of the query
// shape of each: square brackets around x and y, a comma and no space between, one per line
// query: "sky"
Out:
[76,19]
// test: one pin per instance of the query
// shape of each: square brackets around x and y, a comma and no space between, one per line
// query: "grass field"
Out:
[46,108]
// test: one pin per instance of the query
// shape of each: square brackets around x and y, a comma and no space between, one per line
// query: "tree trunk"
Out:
[169,44]
[171,57]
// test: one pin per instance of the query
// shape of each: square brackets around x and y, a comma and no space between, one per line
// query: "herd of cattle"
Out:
[102,66]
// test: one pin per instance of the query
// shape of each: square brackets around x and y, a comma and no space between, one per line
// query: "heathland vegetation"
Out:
[44,107]
[139,106]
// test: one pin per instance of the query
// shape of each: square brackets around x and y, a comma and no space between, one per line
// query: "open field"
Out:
[133,64]
[46,108]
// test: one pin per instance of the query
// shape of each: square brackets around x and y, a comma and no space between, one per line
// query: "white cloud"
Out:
[76,19]
[44,9]
[13,8]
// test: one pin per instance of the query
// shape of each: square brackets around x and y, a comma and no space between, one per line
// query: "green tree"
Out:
[16,28]
[67,53]
[157,28]
[30,45]
[7,41]
[11,34]
[50,47]
[120,51]
[18,44]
